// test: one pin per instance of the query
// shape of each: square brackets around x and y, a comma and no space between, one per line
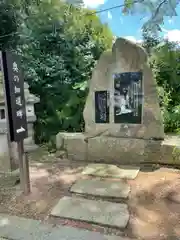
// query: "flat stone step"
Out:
[104,188]
[99,212]
[19,228]
[112,171]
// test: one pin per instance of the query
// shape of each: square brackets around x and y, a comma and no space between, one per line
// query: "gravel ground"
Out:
[153,201]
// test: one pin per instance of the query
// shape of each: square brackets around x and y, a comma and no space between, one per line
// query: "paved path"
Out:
[16,228]
[79,208]
[99,211]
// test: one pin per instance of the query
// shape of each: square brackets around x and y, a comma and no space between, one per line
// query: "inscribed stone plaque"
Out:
[128,97]
[102,107]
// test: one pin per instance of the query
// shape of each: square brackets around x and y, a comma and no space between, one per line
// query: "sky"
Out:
[130,26]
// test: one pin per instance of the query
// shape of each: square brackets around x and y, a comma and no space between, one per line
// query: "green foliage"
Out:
[9,23]
[60,46]
[164,59]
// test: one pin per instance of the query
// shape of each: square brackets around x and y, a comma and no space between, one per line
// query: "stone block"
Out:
[116,150]
[74,144]
[152,151]
[9,179]
[60,140]
[170,151]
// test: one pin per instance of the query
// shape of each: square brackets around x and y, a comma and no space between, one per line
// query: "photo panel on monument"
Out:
[128,97]
[102,106]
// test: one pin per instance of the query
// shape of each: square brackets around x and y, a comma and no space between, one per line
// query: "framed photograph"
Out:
[128,97]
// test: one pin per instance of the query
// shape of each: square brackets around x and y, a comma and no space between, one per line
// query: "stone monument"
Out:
[124,69]
[122,115]
[9,161]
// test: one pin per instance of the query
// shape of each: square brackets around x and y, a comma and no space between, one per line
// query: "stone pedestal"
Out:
[119,150]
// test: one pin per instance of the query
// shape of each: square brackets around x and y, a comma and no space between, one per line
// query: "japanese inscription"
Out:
[14,86]
[102,107]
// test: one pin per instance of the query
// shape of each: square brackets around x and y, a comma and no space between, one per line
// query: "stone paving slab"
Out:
[108,170]
[17,228]
[104,188]
[99,212]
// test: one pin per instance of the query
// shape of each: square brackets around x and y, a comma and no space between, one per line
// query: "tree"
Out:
[155,9]
[10,21]
[165,63]
[149,42]
[13,14]
[60,45]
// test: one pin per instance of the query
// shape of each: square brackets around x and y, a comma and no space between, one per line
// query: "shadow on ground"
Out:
[153,202]
[154,206]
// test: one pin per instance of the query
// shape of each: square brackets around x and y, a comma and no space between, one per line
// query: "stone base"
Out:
[8,176]
[74,144]
[118,150]
[9,179]
[30,148]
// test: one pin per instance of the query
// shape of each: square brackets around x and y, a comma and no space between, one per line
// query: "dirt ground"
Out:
[154,201]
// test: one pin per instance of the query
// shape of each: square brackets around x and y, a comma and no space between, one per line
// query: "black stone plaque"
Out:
[128,97]
[14,86]
[102,107]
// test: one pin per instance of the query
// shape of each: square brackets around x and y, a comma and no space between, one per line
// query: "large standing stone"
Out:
[125,57]
[123,123]
[100,212]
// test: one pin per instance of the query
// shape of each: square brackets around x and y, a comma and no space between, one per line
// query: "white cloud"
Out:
[133,39]
[93,3]
[109,15]
[172,35]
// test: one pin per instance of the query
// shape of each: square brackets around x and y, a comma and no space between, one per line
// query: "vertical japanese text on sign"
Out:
[14,85]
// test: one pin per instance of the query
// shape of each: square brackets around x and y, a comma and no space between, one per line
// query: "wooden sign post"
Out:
[16,110]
